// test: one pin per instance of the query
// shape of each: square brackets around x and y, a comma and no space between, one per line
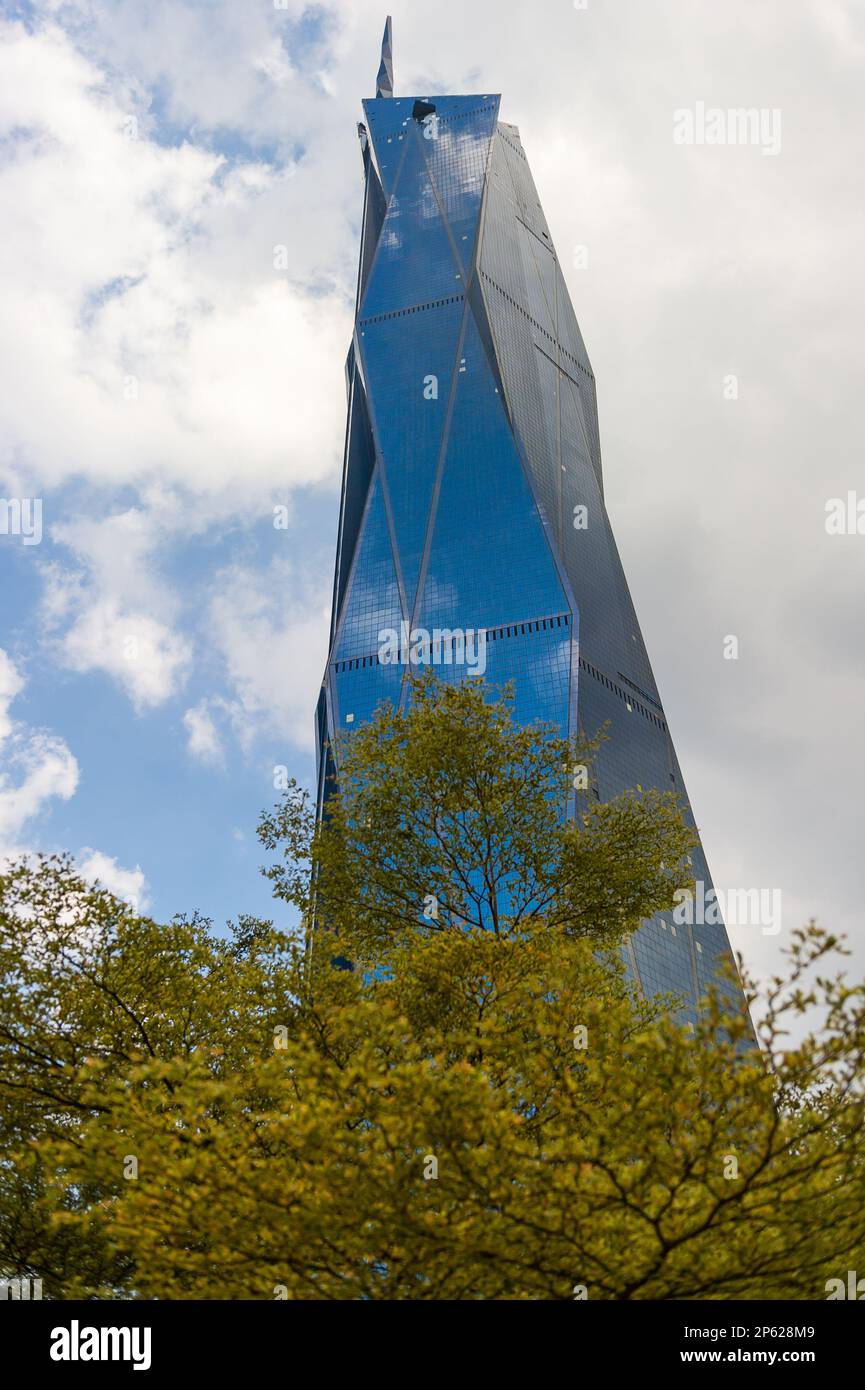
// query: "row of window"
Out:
[520,629]
[538,326]
[462,115]
[413,309]
[494,634]
[640,691]
[373,109]
[617,690]
[356,663]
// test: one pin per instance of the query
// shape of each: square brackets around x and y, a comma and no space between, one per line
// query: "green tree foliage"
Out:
[478,1108]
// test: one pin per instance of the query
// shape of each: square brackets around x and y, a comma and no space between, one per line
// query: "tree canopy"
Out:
[477,1105]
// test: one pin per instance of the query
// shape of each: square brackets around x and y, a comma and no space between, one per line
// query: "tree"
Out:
[475,1106]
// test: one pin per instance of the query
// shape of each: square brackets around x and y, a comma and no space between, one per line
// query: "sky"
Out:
[180,194]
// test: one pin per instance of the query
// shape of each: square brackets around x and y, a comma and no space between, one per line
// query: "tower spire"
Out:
[384,81]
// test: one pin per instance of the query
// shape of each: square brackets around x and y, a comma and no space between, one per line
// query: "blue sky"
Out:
[166,385]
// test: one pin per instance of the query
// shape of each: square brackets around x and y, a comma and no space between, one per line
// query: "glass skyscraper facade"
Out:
[473,494]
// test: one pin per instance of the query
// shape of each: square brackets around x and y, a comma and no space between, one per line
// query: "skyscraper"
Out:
[473,495]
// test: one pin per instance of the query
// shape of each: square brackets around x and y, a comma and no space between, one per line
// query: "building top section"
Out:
[437,118]
[394,116]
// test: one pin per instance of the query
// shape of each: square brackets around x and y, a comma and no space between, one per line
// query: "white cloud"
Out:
[272,639]
[116,615]
[146,659]
[37,766]
[128,884]
[204,742]
[146,334]
[11,684]
[46,770]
